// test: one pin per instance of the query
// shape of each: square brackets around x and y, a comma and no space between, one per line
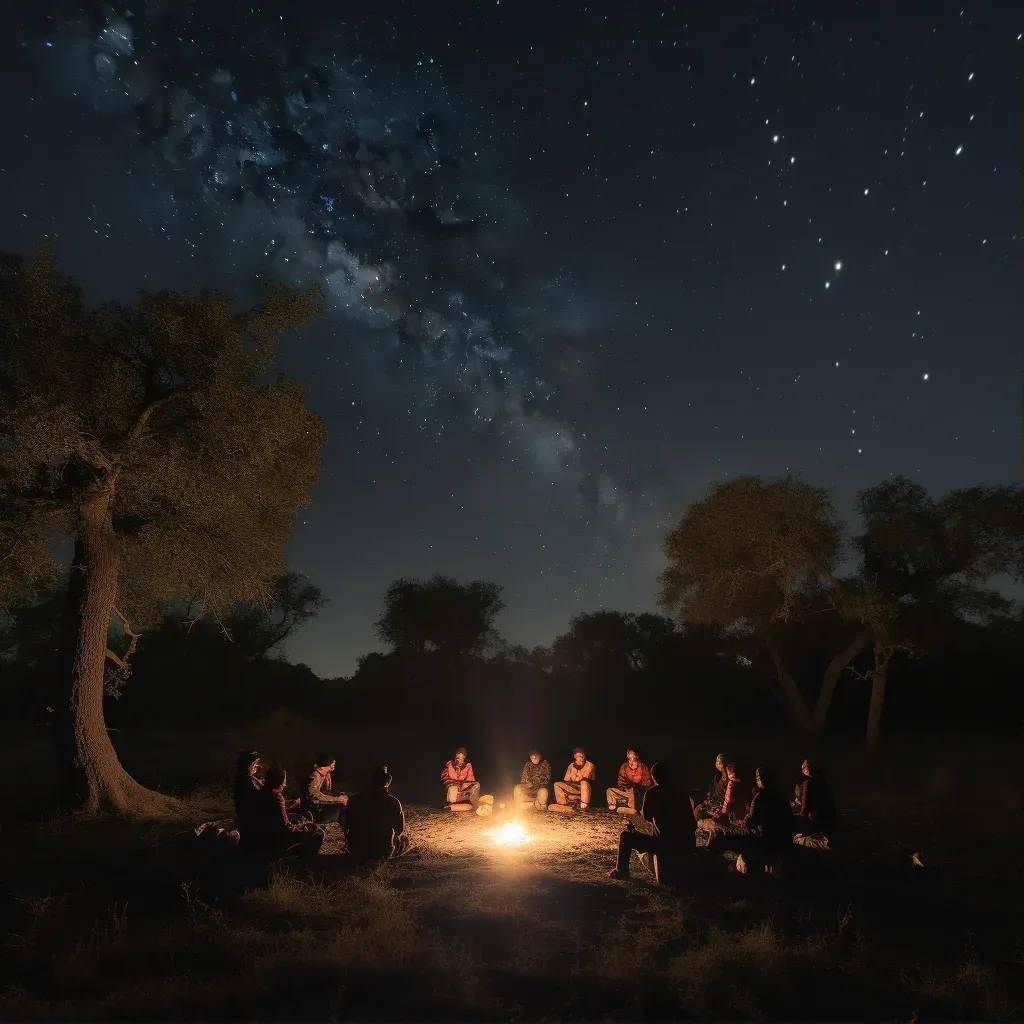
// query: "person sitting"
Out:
[533,783]
[268,833]
[375,822]
[460,783]
[634,778]
[247,786]
[671,814]
[814,807]
[711,804]
[768,826]
[577,786]
[726,819]
[320,801]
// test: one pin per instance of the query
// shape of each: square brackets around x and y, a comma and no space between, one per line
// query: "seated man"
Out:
[320,801]
[670,812]
[533,783]
[634,778]
[578,782]
[814,808]
[375,822]
[768,826]
[268,832]
[460,783]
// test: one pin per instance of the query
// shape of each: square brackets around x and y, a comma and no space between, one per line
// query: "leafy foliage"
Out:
[168,400]
[440,614]
[753,552]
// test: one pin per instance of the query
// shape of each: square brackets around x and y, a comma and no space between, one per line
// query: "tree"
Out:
[610,642]
[931,563]
[752,557]
[258,628]
[150,436]
[440,614]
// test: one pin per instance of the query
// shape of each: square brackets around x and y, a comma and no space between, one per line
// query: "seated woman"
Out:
[768,827]
[734,806]
[712,802]
[814,806]
[267,833]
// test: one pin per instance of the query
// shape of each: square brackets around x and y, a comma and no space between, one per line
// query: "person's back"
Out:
[373,821]
[267,824]
[670,812]
[771,814]
[819,806]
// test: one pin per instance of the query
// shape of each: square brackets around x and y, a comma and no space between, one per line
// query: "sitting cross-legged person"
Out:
[578,784]
[634,779]
[710,804]
[375,822]
[320,801]
[669,810]
[726,819]
[533,783]
[460,785]
[814,808]
[268,833]
[768,827]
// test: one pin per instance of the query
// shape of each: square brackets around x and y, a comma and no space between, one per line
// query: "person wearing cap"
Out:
[460,783]
[533,783]
[375,822]
[578,783]
[320,801]
[633,781]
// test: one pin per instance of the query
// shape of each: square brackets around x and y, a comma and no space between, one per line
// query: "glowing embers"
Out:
[510,834]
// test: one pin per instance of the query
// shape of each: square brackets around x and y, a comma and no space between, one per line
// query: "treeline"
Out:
[155,444]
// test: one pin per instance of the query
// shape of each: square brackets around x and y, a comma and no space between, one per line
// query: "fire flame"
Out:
[511,834]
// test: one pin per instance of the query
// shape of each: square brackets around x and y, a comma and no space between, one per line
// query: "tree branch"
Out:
[145,413]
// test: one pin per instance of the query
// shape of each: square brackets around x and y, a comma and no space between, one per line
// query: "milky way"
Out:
[580,261]
[306,161]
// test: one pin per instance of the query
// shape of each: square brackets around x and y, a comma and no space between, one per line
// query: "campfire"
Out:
[510,834]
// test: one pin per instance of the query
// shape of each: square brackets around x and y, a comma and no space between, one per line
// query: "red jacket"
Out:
[452,773]
[630,777]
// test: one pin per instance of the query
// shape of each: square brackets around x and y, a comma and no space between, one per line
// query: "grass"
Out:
[112,920]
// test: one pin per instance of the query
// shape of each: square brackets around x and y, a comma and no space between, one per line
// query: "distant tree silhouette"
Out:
[931,562]
[610,643]
[149,435]
[440,615]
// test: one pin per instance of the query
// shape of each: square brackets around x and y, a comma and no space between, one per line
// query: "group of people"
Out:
[270,827]
[748,815]
[751,817]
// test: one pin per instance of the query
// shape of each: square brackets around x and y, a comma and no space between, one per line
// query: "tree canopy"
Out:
[440,614]
[151,435]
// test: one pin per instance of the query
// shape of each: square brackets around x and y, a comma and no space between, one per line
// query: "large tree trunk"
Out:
[94,772]
[831,678]
[789,693]
[878,680]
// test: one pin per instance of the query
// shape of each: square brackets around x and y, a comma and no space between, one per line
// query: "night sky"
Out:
[580,262]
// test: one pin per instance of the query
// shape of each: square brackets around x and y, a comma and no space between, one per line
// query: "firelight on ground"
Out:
[510,834]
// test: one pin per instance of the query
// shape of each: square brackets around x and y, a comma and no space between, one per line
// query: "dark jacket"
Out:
[669,811]
[771,819]
[374,820]
[815,803]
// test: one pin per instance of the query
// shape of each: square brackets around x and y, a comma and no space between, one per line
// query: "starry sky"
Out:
[580,261]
